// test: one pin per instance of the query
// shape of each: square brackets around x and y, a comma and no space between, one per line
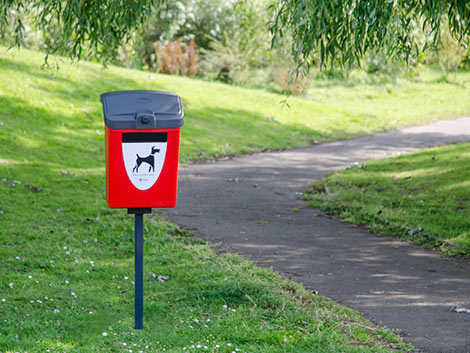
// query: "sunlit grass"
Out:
[428,190]
[222,119]
[66,259]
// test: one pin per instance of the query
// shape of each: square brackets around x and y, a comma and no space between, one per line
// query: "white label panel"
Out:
[143,162]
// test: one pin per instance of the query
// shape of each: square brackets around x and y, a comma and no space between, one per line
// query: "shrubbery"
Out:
[228,41]
[177,59]
[450,54]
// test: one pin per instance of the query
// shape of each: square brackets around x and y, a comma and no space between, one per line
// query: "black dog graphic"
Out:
[150,159]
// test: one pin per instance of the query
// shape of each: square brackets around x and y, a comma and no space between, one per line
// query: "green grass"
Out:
[72,285]
[67,259]
[423,197]
[219,119]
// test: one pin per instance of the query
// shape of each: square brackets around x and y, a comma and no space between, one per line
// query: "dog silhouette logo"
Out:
[144,157]
[150,160]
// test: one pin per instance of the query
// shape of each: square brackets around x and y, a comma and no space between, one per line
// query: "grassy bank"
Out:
[423,197]
[219,119]
[67,259]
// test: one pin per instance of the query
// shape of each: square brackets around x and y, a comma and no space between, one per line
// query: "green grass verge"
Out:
[67,287]
[423,197]
[67,259]
[219,119]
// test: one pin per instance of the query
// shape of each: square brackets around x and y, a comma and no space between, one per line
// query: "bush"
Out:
[228,61]
[177,59]
[379,63]
[283,68]
[241,49]
[290,81]
[450,54]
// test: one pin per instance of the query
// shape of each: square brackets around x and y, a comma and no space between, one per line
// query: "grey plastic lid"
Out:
[142,110]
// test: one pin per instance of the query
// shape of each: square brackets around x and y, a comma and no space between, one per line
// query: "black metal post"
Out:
[139,271]
[139,264]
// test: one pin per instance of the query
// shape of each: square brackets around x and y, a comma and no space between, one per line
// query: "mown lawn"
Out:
[423,197]
[219,119]
[67,287]
[67,259]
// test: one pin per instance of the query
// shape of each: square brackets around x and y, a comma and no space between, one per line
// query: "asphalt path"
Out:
[245,206]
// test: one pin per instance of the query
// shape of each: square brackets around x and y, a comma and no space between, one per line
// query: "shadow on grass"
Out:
[65,237]
[427,189]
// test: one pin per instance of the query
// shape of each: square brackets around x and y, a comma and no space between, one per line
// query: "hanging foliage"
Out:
[342,31]
[71,26]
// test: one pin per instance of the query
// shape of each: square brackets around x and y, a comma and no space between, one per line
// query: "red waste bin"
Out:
[142,130]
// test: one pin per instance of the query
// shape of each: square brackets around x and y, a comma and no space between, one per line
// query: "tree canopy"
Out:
[341,31]
[338,31]
[71,26]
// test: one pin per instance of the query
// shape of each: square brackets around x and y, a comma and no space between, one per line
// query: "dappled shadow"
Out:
[250,206]
[206,130]
[50,137]
[251,130]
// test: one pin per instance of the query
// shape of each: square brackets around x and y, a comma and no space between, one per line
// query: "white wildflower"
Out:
[162,278]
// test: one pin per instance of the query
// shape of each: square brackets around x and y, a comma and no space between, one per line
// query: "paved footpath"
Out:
[392,283]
